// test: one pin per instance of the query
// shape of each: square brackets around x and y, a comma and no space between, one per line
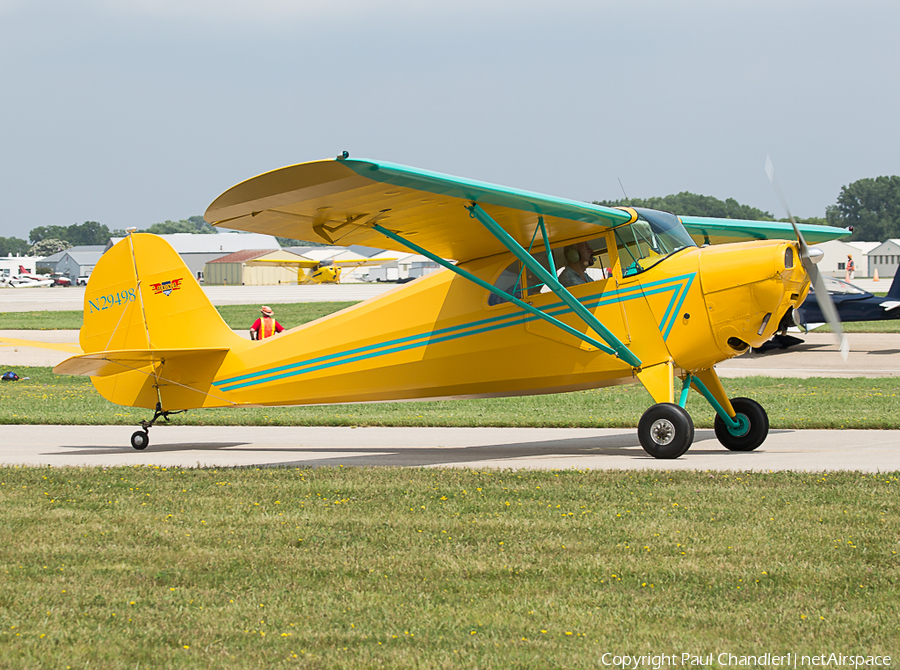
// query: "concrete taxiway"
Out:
[72,298]
[872,355]
[514,448]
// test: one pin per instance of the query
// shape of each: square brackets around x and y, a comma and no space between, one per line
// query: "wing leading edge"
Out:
[706,230]
[338,201]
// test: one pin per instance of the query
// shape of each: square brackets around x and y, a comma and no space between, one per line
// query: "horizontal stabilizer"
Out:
[105,363]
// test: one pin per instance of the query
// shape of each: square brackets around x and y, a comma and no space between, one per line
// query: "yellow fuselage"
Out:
[438,336]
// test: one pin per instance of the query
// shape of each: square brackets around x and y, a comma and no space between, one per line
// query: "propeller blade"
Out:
[829,311]
[826,304]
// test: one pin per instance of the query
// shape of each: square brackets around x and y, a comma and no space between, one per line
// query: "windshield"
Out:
[650,239]
[840,286]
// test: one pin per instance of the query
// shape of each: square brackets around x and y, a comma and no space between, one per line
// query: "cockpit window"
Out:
[565,260]
[650,239]
[835,285]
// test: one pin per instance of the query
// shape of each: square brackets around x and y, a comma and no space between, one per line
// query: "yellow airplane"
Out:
[324,272]
[624,295]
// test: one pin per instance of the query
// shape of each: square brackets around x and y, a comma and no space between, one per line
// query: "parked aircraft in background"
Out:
[325,271]
[852,304]
[25,279]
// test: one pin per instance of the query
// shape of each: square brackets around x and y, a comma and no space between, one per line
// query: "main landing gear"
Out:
[667,431]
[141,438]
[753,426]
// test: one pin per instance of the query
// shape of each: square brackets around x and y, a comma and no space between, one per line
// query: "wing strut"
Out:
[553,284]
[493,289]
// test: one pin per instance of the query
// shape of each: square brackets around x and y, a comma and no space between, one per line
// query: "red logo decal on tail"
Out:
[166,287]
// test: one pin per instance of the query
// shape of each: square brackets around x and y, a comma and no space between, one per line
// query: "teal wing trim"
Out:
[338,201]
[706,230]
[485,193]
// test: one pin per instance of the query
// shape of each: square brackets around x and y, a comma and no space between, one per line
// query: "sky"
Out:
[131,113]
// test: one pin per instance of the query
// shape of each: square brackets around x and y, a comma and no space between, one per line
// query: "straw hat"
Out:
[267,311]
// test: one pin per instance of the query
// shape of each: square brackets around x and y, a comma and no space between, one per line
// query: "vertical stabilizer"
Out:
[141,295]
[894,292]
[151,337]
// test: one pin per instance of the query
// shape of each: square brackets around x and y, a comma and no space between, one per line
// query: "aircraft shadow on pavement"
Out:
[509,454]
[153,448]
[775,350]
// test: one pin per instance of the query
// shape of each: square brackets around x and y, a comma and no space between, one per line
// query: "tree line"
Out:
[691,204]
[870,206]
[47,240]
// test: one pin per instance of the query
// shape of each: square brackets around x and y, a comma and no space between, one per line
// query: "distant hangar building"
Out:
[197,250]
[251,267]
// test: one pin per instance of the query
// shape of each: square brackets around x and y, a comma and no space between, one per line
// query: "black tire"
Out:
[666,430]
[757,430]
[140,440]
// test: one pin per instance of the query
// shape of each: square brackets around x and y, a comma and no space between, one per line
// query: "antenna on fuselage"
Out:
[623,188]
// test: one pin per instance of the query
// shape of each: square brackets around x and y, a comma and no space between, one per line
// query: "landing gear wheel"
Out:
[666,430]
[140,440]
[754,426]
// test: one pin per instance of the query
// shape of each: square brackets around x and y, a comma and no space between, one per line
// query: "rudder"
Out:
[146,315]
[894,292]
[141,295]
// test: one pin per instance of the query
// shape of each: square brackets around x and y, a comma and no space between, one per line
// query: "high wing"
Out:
[337,201]
[706,230]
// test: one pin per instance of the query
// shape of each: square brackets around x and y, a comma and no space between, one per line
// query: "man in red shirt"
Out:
[266,325]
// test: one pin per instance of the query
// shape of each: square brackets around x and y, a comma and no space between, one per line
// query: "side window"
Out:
[583,262]
[591,258]
[510,280]
[601,267]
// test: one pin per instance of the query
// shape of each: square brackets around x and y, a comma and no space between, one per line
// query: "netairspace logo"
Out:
[725,659]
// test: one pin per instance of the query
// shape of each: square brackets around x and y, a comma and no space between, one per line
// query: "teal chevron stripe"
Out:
[677,285]
[670,322]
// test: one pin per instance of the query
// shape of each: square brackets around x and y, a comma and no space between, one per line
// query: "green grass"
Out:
[63,320]
[146,567]
[46,398]
[892,326]
[239,317]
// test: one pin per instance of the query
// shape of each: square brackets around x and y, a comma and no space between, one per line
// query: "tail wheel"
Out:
[140,440]
[754,426]
[666,431]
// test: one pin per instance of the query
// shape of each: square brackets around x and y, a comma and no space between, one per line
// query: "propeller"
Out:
[809,258]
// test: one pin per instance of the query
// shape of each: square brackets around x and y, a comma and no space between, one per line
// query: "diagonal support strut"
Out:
[553,284]
[493,289]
